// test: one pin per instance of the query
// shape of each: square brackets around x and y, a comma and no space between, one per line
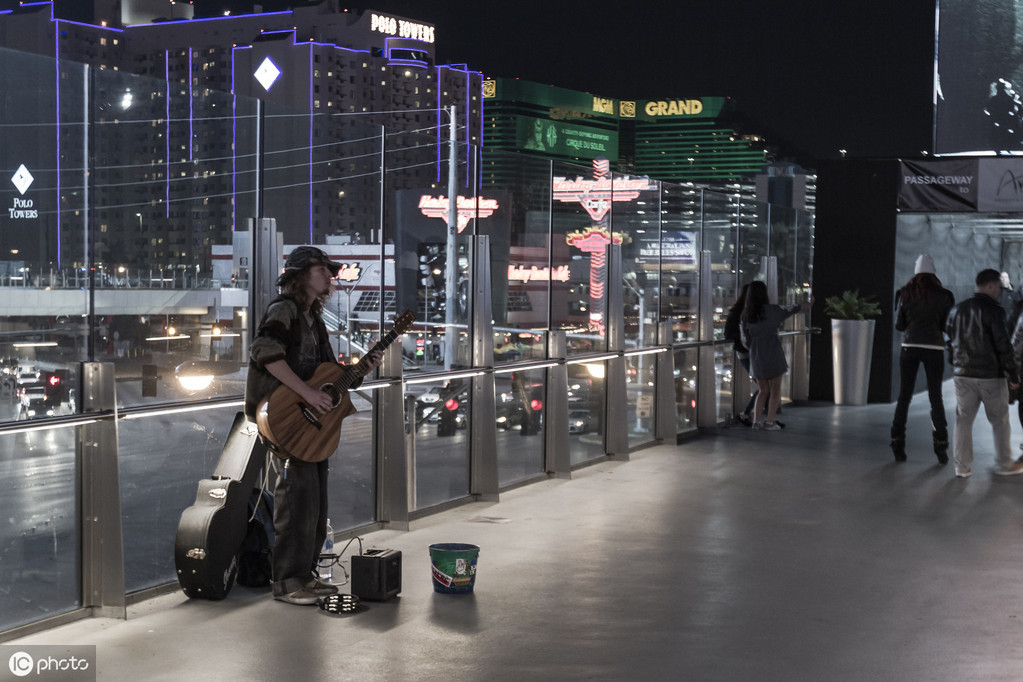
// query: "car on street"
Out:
[37,402]
[430,397]
[578,421]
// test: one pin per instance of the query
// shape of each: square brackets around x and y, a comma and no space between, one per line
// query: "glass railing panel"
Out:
[721,213]
[636,226]
[681,216]
[39,539]
[640,387]
[161,460]
[587,397]
[519,399]
[441,455]
[581,231]
[686,394]
[520,253]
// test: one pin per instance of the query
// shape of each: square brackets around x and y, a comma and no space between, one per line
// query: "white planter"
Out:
[852,342]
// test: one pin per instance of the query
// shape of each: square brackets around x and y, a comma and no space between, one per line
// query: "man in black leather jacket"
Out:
[981,354]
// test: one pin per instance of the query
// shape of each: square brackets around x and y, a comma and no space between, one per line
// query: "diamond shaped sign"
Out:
[22,179]
[267,74]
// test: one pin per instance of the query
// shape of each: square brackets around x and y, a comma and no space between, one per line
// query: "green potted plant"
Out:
[852,343]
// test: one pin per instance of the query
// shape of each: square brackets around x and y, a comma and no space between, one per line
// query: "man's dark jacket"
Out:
[978,345]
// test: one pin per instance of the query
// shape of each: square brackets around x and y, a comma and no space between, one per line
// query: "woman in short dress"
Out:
[760,322]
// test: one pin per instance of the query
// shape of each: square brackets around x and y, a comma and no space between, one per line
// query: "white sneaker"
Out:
[771,426]
[963,473]
[1013,469]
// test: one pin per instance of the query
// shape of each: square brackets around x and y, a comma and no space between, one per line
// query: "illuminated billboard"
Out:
[566,139]
[978,77]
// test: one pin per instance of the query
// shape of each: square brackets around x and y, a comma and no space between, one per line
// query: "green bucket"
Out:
[454,567]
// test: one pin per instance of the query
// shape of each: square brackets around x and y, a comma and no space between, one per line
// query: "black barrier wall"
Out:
[855,249]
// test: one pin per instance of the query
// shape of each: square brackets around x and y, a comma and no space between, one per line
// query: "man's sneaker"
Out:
[963,473]
[772,426]
[320,588]
[744,419]
[1011,470]
[303,596]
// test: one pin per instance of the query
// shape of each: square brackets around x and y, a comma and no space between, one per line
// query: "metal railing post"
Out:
[616,436]
[556,441]
[392,463]
[483,425]
[100,489]
[665,410]
[706,378]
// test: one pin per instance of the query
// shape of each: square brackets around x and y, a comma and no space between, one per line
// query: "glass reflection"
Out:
[586,401]
[161,461]
[39,539]
[441,440]
[351,489]
[640,376]
[519,399]
[685,389]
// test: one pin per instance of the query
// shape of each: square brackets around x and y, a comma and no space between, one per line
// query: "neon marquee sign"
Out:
[520,273]
[349,272]
[597,195]
[467,208]
[402,28]
[594,240]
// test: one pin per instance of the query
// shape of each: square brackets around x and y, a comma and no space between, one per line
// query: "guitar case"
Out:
[211,531]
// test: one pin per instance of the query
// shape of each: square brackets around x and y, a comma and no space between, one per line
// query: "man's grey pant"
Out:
[300,522]
[994,394]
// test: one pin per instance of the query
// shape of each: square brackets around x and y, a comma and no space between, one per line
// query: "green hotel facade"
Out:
[680,140]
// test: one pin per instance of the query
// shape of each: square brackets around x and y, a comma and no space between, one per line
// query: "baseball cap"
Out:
[304,257]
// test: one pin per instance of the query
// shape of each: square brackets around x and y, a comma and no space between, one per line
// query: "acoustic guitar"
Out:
[293,429]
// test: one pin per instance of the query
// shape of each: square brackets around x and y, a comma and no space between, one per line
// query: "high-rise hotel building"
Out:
[678,139]
[202,157]
[701,140]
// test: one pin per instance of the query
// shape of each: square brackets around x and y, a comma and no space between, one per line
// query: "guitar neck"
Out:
[359,370]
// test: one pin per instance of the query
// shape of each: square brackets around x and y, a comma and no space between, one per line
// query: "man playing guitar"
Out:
[290,343]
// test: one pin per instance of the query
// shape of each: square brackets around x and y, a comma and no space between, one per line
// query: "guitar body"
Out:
[295,430]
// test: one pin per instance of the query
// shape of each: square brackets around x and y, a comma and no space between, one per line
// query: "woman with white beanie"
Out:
[922,307]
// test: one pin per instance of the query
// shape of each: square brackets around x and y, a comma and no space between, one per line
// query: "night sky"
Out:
[814,77]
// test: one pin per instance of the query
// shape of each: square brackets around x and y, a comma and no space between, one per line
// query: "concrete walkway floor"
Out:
[803,554]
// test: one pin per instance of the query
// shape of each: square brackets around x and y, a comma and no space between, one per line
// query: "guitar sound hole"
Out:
[335,395]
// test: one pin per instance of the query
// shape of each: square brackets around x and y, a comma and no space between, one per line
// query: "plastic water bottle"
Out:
[326,567]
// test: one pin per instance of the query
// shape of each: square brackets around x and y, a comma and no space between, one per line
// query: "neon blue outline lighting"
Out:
[191,112]
[311,113]
[234,146]
[56,89]
[440,126]
[167,133]
[192,21]
[407,62]
[102,28]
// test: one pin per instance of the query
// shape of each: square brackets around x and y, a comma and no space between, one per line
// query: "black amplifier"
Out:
[376,574]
